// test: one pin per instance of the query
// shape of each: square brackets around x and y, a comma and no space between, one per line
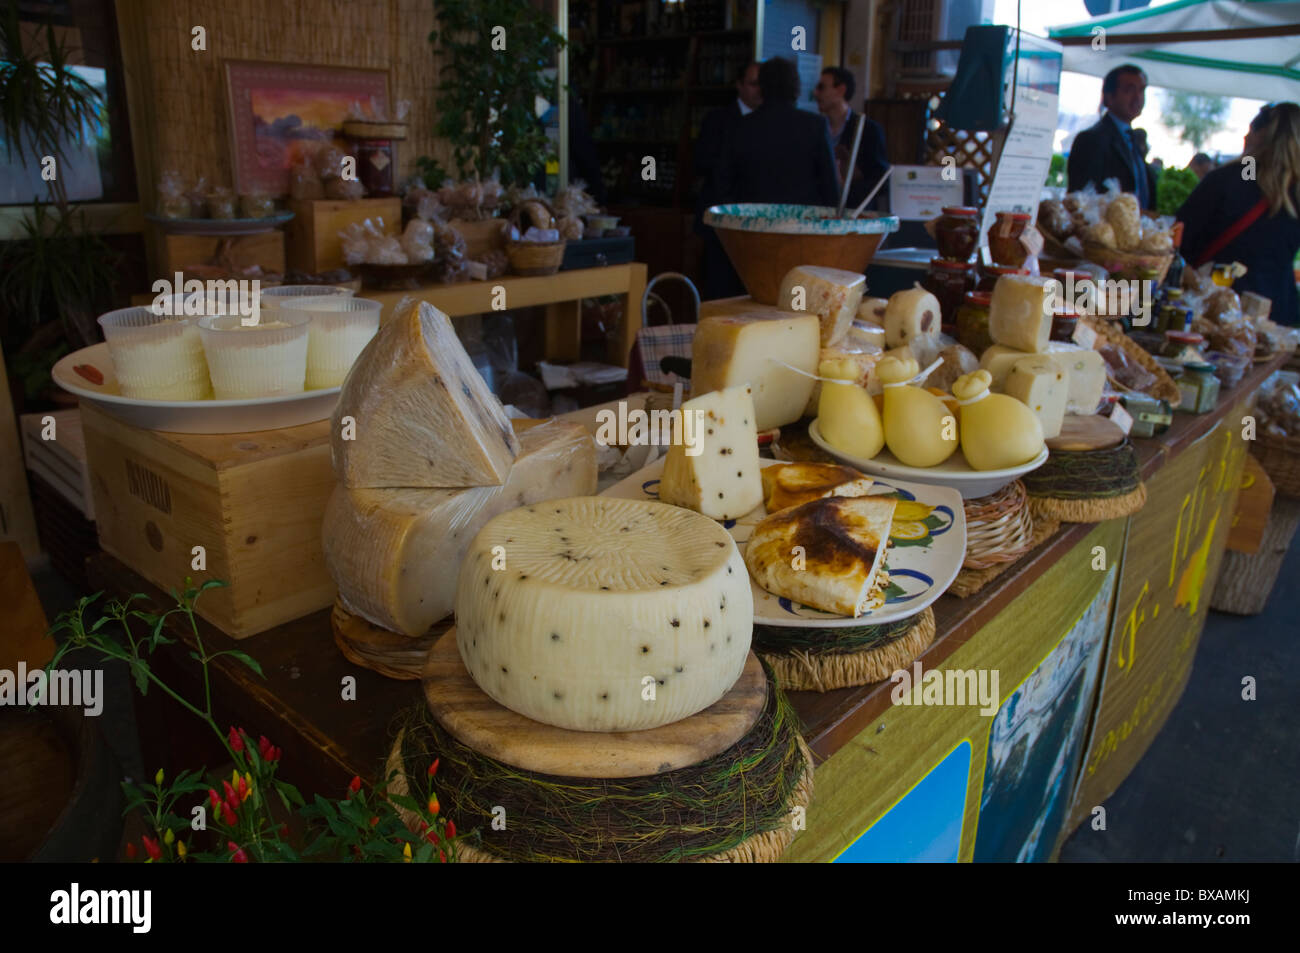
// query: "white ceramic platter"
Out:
[954,472]
[188,416]
[924,560]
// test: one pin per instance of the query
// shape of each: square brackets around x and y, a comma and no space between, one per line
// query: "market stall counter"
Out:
[1037,696]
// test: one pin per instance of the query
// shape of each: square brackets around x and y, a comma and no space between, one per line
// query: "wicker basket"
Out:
[999,528]
[535,258]
[1280,458]
[1128,264]
[1164,388]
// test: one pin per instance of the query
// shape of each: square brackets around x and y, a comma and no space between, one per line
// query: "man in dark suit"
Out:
[1108,149]
[779,153]
[717,126]
[833,93]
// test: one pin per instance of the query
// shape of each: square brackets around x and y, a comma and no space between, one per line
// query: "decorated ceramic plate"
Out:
[954,472]
[185,416]
[929,536]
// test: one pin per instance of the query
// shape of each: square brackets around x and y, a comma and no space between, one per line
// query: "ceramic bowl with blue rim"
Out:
[796,220]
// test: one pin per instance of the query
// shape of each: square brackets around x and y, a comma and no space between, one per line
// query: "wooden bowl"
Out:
[764,241]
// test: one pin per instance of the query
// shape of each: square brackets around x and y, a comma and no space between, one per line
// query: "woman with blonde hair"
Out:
[1249,211]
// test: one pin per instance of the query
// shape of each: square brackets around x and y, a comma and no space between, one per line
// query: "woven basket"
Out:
[1128,264]
[999,528]
[1280,458]
[535,258]
[1164,388]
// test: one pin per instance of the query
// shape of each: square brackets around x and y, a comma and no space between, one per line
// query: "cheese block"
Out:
[394,553]
[1038,382]
[722,480]
[1084,368]
[1020,312]
[872,310]
[864,372]
[865,335]
[997,432]
[1086,372]
[793,484]
[605,614]
[911,314]
[847,416]
[729,350]
[830,293]
[420,414]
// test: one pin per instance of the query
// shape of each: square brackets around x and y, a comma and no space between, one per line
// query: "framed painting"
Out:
[279,111]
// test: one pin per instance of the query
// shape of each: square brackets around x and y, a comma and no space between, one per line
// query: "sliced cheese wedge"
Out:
[826,554]
[414,412]
[394,553]
[722,479]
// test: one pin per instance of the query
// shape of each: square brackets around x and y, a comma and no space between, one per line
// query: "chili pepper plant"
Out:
[196,817]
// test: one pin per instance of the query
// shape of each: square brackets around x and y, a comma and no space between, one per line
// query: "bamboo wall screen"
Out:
[180,94]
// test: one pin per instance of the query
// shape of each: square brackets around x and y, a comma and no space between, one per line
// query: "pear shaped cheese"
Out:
[997,431]
[731,350]
[847,416]
[394,552]
[713,466]
[414,412]
[919,429]
[564,609]
[832,294]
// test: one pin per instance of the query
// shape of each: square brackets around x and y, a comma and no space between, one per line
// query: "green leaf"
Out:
[140,672]
[289,791]
[245,658]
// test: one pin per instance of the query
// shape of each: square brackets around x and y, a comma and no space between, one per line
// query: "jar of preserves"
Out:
[989,275]
[1064,320]
[949,281]
[1199,387]
[1177,343]
[957,232]
[1004,238]
[973,321]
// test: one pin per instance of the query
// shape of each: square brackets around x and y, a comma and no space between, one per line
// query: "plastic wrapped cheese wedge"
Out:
[394,553]
[832,294]
[600,599]
[997,431]
[919,429]
[414,411]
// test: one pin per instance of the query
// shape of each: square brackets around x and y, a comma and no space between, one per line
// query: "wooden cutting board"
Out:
[494,730]
[1087,432]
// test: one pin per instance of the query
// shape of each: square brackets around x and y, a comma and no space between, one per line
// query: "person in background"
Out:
[1200,164]
[833,92]
[1108,149]
[717,126]
[1144,148]
[1234,215]
[779,153]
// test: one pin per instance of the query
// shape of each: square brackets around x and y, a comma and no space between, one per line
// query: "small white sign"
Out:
[1085,336]
[919,192]
[1122,417]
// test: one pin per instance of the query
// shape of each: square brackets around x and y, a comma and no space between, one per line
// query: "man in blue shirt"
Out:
[1108,150]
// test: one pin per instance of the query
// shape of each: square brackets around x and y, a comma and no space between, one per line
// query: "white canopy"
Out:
[1247,48]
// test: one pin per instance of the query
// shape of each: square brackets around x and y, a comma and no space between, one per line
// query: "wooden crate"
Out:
[61,459]
[254,501]
[314,243]
[177,252]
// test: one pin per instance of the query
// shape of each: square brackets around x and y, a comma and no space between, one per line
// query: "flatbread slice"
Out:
[843,542]
[792,484]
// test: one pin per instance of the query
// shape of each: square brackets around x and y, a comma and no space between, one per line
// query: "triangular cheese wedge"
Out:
[422,416]
[793,484]
[826,554]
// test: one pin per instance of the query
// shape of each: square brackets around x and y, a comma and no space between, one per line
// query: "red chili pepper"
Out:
[243,790]
[433,768]
[228,815]
[432,837]
[236,741]
[264,747]
[284,830]
[442,858]
[231,797]
[90,373]
[237,855]
[275,754]
[151,845]
[451,829]
[433,804]
[130,851]
[374,820]
[216,801]
[354,785]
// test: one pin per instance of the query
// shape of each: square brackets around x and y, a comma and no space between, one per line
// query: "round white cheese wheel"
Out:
[603,614]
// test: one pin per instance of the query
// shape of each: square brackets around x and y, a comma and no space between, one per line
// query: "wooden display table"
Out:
[561,294]
[1091,637]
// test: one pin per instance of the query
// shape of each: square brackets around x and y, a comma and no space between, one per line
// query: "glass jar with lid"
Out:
[989,275]
[957,232]
[949,281]
[973,321]
[1004,238]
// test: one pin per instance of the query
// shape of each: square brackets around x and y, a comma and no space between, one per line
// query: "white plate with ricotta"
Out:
[929,546]
[954,472]
[188,416]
